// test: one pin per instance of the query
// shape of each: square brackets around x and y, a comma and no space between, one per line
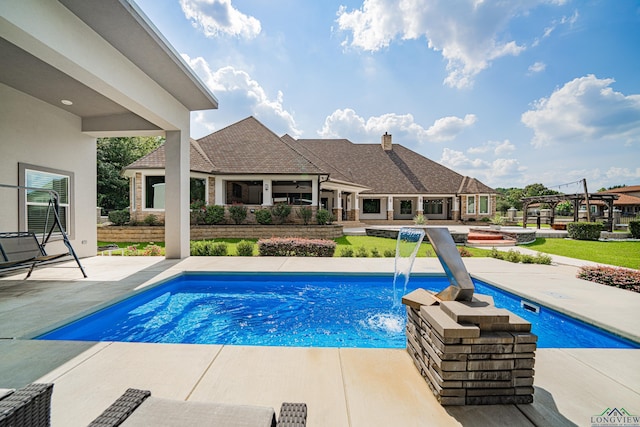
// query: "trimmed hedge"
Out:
[263,216]
[612,276]
[634,229]
[208,248]
[514,256]
[584,230]
[119,217]
[244,248]
[292,246]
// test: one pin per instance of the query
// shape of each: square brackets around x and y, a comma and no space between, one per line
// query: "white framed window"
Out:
[36,215]
[471,204]
[484,204]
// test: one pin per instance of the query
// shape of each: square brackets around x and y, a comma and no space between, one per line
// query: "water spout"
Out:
[407,245]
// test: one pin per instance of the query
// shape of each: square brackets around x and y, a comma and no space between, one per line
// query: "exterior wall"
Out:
[477,216]
[375,216]
[37,133]
[156,234]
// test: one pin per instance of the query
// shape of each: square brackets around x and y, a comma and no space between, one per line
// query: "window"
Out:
[197,190]
[405,207]
[38,217]
[484,204]
[432,207]
[371,206]
[154,192]
[471,204]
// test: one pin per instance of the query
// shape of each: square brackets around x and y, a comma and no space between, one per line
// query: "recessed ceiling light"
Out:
[66,102]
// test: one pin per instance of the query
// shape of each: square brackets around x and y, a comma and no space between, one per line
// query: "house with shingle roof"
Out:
[246,163]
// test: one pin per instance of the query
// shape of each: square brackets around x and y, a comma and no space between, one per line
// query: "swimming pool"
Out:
[289,309]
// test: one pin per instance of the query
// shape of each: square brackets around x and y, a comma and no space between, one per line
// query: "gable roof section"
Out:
[248,147]
[398,171]
[157,159]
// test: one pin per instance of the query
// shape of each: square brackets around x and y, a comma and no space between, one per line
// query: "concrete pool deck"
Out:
[343,387]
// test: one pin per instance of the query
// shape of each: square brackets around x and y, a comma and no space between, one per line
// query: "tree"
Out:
[507,198]
[113,155]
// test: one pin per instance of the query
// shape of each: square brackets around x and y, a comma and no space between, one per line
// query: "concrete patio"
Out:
[343,387]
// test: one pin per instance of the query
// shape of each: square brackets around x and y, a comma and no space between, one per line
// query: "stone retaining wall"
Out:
[470,353]
[200,232]
[459,238]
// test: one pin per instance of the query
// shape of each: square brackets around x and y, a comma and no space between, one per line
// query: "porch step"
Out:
[488,240]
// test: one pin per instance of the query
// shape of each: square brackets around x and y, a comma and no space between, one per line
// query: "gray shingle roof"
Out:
[399,171]
[157,159]
[248,147]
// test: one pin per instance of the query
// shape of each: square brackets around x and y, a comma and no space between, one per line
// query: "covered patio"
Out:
[576,200]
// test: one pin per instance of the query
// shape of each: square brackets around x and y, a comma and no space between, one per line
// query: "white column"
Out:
[267,195]
[220,191]
[356,198]
[339,197]
[177,231]
[389,203]
[314,191]
[420,203]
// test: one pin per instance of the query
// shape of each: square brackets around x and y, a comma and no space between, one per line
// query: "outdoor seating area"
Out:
[22,250]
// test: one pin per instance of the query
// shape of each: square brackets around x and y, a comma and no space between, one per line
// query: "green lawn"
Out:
[622,254]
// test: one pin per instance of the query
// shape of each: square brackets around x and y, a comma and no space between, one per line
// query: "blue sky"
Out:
[509,92]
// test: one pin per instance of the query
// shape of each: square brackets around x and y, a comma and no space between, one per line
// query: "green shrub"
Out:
[208,248]
[346,252]
[634,229]
[281,211]
[420,219]
[214,214]
[541,258]
[375,253]
[512,256]
[612,276]
[263,216]
[131,250]
[515,256]
[244,248]
[389,253]
[237,213]
[151,219]
[485,219]
[324,217]
[305,213]
[293,246]
[584,230]
[198,211]
[119,217]
[362,252]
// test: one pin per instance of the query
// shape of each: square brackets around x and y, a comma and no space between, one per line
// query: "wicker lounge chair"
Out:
[27,407]
[137,408]
[31,407]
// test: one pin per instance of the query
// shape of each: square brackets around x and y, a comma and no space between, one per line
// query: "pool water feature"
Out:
[407,246]
[291,309]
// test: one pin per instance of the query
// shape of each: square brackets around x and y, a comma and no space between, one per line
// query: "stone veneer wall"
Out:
[156,234]
[470,353]
[460,238]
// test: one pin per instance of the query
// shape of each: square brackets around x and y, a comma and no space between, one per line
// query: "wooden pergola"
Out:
[576,199]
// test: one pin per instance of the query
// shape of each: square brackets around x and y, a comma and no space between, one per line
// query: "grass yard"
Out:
[621,254]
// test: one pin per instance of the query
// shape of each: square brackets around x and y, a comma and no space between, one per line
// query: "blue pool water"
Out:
[296,310]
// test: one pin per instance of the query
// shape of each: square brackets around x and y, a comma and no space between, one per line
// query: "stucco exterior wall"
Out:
[37,133]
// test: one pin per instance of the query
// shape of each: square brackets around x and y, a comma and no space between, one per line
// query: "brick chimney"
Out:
[386,142]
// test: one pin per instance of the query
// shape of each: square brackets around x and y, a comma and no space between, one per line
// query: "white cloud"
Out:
[537,67]
[346,123]
[489,172]
[623,174]
[470,34]
[585,110]
[242,95]
[219,17]
[498,148]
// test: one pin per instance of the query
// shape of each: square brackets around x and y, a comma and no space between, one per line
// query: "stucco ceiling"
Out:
[121,24]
